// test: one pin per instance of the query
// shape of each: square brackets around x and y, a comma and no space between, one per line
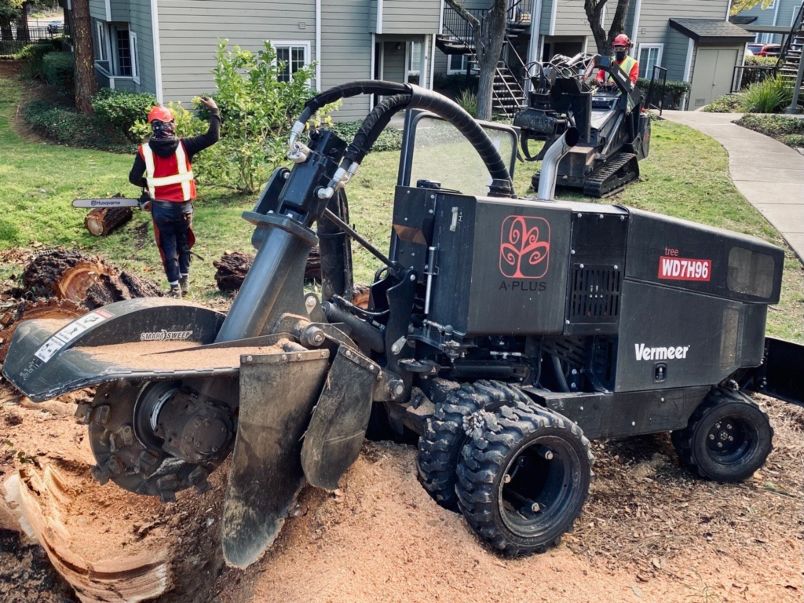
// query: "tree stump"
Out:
[103,220]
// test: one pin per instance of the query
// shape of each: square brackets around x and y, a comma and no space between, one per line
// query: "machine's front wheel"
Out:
[444,435]
[727,439]
[523,477]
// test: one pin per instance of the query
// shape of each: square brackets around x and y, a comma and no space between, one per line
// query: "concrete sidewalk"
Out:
[767,173]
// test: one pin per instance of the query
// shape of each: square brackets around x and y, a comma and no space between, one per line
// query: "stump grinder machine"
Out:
[614,130]
[505,332]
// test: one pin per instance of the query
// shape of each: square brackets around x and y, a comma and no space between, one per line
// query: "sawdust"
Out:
[650,531]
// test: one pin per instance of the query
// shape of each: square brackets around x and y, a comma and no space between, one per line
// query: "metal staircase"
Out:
[508,94]
[790,58]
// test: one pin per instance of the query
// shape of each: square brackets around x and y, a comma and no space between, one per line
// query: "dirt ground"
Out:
[650,531]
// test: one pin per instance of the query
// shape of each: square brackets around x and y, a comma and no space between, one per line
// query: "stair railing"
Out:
[794,29]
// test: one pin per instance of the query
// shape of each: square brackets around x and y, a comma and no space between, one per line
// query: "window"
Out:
[101,41]
[457,63]
[649,55]
[123,53]
[132,43]
[796,10]
[290,57]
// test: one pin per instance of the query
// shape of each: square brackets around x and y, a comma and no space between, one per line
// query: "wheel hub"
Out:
[729,439]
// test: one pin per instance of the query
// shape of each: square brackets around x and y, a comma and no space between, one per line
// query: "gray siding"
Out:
[189,31]
[393,62]
[139,21]
[410,16]
[655,15]
[674,56]
[97,9]
[544,24]
[347,51]
[120,9]
[571,19]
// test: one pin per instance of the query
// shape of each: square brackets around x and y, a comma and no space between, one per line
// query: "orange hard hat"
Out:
[160,113]
[621,40]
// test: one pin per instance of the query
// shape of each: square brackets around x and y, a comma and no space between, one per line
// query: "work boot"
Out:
[184,284]
[175,291]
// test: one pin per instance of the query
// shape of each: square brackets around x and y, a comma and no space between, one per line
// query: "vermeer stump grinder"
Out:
[504,332]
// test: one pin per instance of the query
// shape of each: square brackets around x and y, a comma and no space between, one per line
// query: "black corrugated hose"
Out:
[411,96]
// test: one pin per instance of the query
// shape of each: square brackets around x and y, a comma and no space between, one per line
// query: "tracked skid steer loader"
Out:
[506,332]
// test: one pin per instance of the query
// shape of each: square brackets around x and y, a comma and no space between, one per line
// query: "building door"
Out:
[711,78]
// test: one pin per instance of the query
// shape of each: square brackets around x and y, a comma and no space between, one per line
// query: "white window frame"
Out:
[277,44]
[464,64]
[411,69]
[658,62]
[133,48]
[796,8]
[102,33]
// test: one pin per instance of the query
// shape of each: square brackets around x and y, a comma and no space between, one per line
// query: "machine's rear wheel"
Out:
[523,477]
[727,439]
[131,455]
[445,433]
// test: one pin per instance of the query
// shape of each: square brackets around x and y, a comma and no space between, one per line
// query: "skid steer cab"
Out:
[506,332]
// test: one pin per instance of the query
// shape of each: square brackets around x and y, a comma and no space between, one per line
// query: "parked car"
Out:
[754,48]
[770,50]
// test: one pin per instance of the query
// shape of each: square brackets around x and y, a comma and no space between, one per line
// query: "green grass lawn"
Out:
[686,176]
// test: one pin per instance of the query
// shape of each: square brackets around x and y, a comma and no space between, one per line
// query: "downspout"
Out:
[379,17]
[157,53]
[635,25]
[318,45]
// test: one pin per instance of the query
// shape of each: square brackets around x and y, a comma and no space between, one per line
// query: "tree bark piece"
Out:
[103,220]
[232,267]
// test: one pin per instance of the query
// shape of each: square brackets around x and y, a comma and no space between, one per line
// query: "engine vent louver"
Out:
[595,294]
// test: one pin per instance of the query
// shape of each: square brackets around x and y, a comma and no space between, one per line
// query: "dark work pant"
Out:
[173,233]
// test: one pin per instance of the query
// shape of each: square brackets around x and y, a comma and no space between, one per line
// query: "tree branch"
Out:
[474,21]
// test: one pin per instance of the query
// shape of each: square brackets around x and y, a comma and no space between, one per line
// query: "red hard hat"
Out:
[621,40]
[160,113]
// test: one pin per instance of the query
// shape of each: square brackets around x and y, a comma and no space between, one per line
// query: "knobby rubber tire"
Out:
[495,444]
[445,432]
[692,446]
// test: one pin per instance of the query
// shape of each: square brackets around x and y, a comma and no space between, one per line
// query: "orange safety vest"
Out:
[169,178]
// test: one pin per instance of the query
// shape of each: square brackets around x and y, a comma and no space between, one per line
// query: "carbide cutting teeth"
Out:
[100,474]
[147,462]
[83,413]
[100,414]
[198,478]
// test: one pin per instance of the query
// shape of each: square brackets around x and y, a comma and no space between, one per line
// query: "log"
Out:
[103,220]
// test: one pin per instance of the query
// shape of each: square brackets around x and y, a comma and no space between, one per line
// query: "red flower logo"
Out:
[524,247]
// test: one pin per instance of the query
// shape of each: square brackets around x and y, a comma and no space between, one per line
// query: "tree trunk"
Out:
[6,33]
[85,83]
[23,35]
[594,12]
[103,220]
[489,39]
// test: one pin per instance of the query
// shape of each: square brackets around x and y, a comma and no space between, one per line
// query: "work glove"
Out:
[144,202]
[209,104]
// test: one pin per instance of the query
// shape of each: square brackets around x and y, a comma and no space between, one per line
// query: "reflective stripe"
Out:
[184,173]
[184,177]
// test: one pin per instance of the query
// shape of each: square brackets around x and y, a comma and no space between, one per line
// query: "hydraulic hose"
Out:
[421,98]
[348,90]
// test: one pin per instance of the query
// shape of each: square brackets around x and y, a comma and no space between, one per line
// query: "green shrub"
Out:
[32,56]
[65,126]
[453,85]
[772,125]
[121,110]
[258,110]
[187,124]
[57,67]
[468,102]
[793,140]
[730,103]
[768,96]
[673,91]
[389,140]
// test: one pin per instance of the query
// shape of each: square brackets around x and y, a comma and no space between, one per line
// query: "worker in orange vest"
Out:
[163,167]
[623,60]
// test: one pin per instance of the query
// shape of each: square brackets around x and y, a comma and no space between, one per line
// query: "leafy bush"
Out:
[453,85]
[788,130]
[121,110]
[66,126]
[187,124]
[468,102]
[673,91]
[57,68]
[33,56]
[730,103]
[768,96]
[389,140]
[258,111]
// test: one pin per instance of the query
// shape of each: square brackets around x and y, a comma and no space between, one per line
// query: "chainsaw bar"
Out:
[116,202]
